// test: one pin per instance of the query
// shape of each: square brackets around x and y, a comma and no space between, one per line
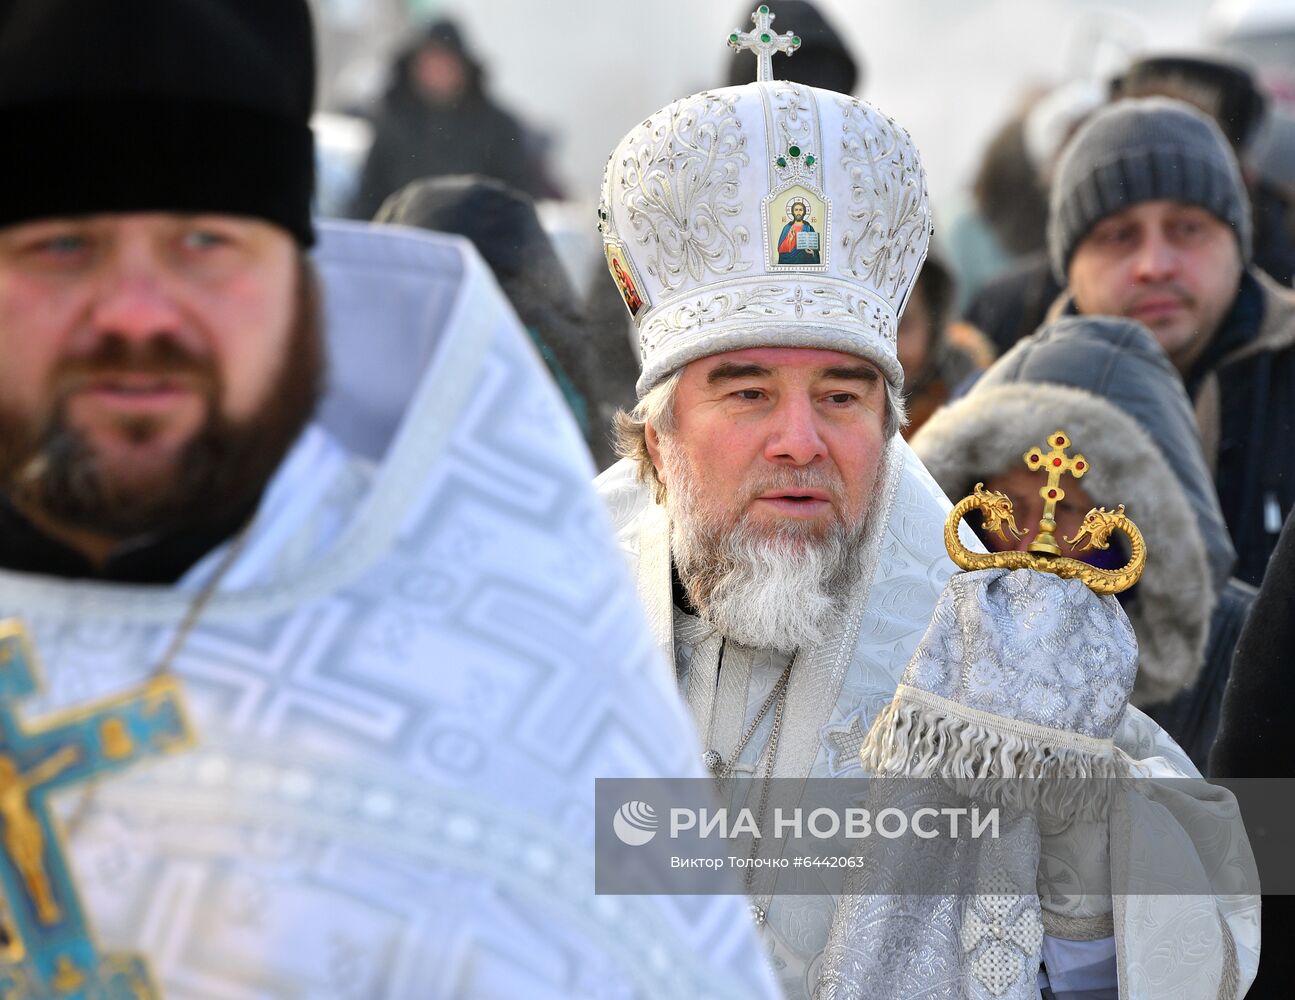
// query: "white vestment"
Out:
[403,690]
[836,689]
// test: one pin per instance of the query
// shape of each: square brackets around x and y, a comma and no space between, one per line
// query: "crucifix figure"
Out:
[1055,463]
[764,42]
[52,951]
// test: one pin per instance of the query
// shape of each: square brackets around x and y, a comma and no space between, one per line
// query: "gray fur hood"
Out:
[1109,385]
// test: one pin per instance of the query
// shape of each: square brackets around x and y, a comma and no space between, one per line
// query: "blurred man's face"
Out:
[146,363]
[440,74]
[1173,266]
[771,473]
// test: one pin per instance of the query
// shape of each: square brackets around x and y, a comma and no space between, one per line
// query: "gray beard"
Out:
[780,590]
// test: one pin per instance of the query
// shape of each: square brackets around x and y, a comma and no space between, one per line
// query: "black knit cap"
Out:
[1224,89]
[158,105]
[1143,149]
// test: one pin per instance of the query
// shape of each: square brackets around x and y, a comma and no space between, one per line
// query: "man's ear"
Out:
[653,442]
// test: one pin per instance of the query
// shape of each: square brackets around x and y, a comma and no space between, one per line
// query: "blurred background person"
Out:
[1229,93]
[436,118]
[938,355]
[596,376]
[1107,383]
[1149,219]
[1012,189]
[1013,304]
[1008,209]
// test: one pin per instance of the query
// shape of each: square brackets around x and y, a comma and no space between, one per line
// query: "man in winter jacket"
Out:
[1149,219]
[436,118]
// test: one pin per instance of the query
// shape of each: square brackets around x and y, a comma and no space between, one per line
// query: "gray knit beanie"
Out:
[1144,149]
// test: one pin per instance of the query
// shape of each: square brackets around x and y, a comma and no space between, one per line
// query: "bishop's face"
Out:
[130,339]
[787,440]
[769,473]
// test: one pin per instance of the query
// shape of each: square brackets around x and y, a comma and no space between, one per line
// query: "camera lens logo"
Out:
[635,823]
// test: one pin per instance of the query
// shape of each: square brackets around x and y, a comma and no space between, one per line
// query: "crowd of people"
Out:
[331,631]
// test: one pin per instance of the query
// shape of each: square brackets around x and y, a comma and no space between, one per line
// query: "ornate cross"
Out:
[1055,463]
[51,952]
[764,42]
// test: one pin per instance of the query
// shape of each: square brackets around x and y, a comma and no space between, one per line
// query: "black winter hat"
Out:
[1143,149]
[1225,90]
[158,105]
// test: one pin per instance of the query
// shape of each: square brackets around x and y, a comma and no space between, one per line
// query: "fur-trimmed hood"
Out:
[1111,387]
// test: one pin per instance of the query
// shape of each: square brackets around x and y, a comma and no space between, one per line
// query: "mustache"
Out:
[1167,290]
[792,479]
[114,355]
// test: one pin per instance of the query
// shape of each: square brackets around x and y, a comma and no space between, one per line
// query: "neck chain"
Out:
[722,770]
[163,666]
[715,762]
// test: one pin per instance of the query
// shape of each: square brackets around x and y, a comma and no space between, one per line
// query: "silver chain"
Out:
[769,758]
[163,665]
[779,688]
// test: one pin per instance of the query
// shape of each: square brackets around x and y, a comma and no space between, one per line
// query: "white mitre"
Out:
[697,199]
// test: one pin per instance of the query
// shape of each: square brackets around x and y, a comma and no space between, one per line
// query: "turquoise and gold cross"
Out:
[1055,463]
[764,42]
[51,952]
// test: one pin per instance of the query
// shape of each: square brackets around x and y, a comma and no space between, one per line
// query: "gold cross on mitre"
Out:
[764,42]
[1045,554]
[1056,463]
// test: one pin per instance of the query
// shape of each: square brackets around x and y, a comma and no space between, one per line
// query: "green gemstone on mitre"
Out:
[781,161]
[809,160]
[795,41]
[734,38]
[762,9]
[766,39]
[793,150]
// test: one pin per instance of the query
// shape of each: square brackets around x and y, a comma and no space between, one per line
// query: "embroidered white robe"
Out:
[403,689]
[835,691]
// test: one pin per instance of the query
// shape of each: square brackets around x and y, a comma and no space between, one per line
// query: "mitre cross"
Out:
[764,42]
[1055,463]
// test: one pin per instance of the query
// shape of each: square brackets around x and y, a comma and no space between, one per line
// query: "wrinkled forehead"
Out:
[778,360]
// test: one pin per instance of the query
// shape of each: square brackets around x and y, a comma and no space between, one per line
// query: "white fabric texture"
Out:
[837,690]
[403,691]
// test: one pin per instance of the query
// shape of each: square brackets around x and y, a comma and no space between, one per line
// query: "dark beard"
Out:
[51,469]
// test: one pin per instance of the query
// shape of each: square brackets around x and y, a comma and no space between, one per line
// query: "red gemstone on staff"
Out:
[1056,461]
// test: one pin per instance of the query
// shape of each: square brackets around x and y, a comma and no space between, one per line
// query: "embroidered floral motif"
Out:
[680,186]
[887,201]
